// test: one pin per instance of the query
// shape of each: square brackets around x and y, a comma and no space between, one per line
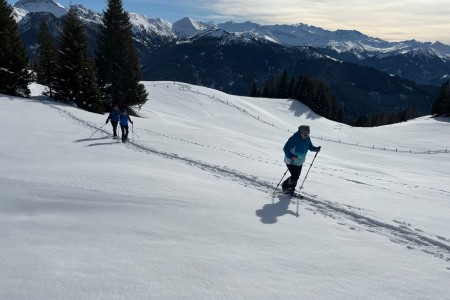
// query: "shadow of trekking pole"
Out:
[274,190]
[96,131]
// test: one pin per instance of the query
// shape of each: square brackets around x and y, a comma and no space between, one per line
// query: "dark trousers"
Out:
[124,131]
[291,182]
[114,126]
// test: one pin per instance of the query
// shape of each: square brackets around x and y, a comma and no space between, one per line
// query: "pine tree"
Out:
[337,113]
[322,101]
[46,58]
[307,91]
[266,90]
[441,107]
[76,80]
[281,85]
[291,87]
[117,59]
[14,73]
[254,90]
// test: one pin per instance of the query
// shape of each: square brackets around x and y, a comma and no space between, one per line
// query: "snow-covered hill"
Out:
[185,209]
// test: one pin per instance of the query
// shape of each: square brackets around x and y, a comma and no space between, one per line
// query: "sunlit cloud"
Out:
[391,20]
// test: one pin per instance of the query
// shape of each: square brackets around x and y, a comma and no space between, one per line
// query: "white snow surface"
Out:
[185,209]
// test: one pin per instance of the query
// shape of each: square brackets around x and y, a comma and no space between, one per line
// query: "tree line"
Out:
[441,107]
[386,118]
[63,64]
[311,92]
[317,96]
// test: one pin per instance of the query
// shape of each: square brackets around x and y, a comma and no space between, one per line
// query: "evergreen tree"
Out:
[117,59]
[297,87]
[76,80]
[266,90]
[281,85]
[441,107]
[322,101]
[307,91]
[46,58]
[254,90]
[337,113]
[291,88]
[14,73]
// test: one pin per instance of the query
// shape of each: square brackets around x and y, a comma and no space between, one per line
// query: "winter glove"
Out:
[318,148]
[107,121]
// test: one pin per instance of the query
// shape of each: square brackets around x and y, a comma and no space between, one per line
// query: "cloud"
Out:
[387,19]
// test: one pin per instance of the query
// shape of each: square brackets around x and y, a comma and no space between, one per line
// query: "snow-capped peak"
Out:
[42,6]
[143,23]
[87,15]
[190,27]
[19,14]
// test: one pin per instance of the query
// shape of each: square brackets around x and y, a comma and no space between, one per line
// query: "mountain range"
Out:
[230,56]
[341,41]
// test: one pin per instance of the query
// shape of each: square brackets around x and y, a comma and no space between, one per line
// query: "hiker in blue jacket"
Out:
[124,118]
[114,117]
[295,151]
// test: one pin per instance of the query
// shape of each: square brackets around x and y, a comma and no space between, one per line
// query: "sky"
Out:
[391,20]
[186,210]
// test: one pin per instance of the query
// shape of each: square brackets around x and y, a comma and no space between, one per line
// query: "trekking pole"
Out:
[280,181]
[308,170]
[132,130]
[97,130]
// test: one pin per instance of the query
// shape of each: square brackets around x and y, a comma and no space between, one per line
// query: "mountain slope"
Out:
[50,6]
[231,63]
[405,58]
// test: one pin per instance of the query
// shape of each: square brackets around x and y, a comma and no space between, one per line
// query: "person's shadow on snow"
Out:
[270,212]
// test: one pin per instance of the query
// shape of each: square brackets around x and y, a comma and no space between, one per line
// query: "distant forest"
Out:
[313,93]
[317,96]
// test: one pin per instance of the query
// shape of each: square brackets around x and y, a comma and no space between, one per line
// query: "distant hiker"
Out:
[114,117]
[295,151]
[124,118]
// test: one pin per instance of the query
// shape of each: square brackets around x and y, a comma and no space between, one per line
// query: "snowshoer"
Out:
[124,118]
[114,117]
[295,151]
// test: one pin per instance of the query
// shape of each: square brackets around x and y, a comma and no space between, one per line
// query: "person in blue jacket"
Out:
[124,118]
[295,151]
[114,117]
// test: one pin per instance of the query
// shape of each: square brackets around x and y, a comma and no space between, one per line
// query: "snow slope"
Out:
[185,209]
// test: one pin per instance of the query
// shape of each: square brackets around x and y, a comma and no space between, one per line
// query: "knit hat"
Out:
[304,129]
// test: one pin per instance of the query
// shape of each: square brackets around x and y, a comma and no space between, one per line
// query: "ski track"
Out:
[345,215]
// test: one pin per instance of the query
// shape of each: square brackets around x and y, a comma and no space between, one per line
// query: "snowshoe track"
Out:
[351,217]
